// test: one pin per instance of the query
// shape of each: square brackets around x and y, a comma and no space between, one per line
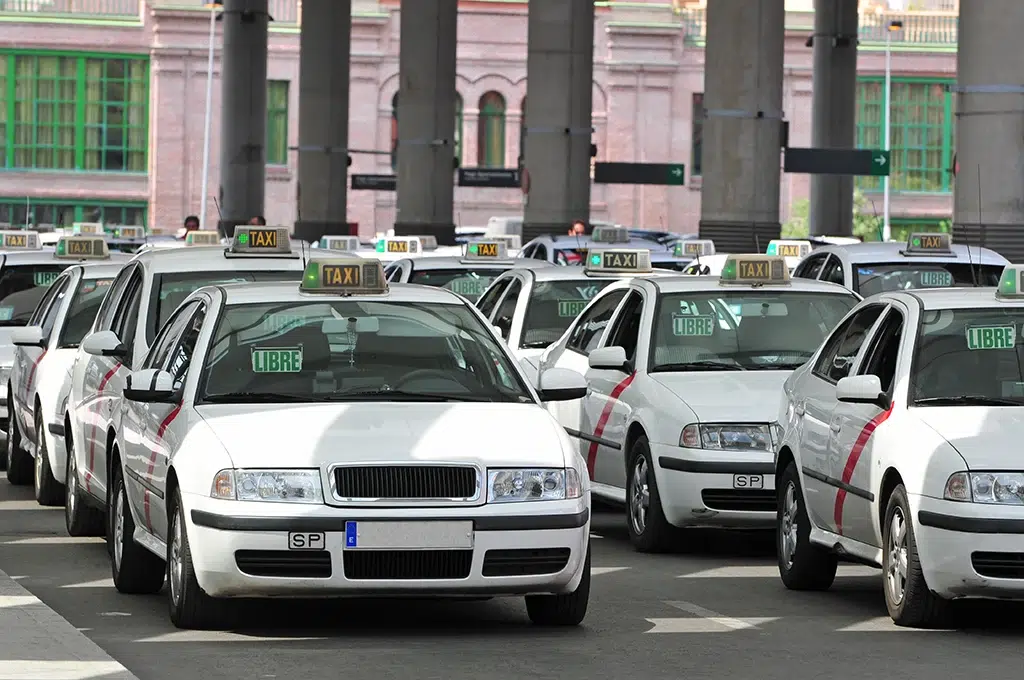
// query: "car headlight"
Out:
[504,486]
[281,486]
[730,436]
[998,488]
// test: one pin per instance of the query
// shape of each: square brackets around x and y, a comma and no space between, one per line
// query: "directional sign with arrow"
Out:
[870,162]
[665,174]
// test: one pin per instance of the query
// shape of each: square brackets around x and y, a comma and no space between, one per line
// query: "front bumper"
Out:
[554,543]
[970,549]
[697,487]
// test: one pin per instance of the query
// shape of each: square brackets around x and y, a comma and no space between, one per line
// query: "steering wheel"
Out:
[421,373]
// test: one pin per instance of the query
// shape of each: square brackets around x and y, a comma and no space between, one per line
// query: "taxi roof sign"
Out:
[606,234]
[344,276]
[787,248]
[19,240]
[512,241]
[399,244]
[339,242]
[428,242]
[138,233]
[94,228]
[198,237]
[618,261]
[695,247]
[486,250]
[82,247]
[929,244]
[261,240]
[1011,283]
[755,270]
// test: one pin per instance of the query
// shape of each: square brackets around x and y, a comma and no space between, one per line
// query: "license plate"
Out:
[748,481]
[305,540]
[408,535]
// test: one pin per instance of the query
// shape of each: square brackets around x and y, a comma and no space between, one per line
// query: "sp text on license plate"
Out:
[306,540]
[748,481]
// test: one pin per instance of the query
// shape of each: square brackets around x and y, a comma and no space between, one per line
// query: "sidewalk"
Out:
[36,643]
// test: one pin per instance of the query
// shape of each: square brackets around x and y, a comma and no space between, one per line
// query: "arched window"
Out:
[458,127]
[491,131]
[394,131]
[522,132]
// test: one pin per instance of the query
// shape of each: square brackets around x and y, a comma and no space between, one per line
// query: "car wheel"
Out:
[19,462]
[648,529]
[568,609]
[80,518]
[135,570]
[907,597]
[802,565]
[49,491]
[190,607]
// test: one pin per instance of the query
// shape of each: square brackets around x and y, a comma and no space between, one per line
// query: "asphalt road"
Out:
[714,609]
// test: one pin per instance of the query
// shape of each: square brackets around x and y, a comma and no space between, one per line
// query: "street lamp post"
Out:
[208,124]
[891,28]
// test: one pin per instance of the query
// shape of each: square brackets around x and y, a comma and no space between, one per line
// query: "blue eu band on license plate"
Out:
[351,540]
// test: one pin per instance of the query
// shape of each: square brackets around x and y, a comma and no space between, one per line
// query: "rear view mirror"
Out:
[561,384]
[104,344]
[862,389]
[610,359]
[28,336]
[366,324]
[150,385]
[500,333]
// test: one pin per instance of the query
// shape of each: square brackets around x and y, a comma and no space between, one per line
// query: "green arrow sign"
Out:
[879,163]
[676,174]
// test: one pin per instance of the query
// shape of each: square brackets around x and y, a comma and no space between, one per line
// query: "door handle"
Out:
[835,426]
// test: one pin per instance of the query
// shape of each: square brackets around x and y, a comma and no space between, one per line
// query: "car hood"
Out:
[984,435]
[489,435]
[728,396]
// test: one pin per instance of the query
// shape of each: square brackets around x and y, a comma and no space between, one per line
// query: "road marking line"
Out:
[593,535]
[25,505]
[884,624]
[54,540]
[17,600]
[220,636]
[101,583]
[727,621]
[772,571]
[605,570]
[14,669]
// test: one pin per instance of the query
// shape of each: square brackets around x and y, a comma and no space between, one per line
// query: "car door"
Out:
[832,271]
[810,267]
[816,408]
[851,445]
[504,312]
[489,300]
[603,415]
[28,358]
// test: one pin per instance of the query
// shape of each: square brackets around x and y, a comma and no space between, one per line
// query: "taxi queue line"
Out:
[649,343]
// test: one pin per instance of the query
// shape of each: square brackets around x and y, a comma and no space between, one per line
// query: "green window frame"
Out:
[277,122]
[20,212]
[922,132]
[491,131]
[74,111]
[696,133]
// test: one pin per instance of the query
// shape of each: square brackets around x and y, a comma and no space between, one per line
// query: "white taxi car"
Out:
[141,299]
[45,350]
[572,249]
[928,260]
[342,454]
[712,263]
[468,275]
[900,450]
[685,375]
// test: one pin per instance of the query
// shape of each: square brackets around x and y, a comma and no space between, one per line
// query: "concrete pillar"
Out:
[741,156]
[243,130]
[426,119]
[834,111]
[988,207]
[323,118]
[560,81]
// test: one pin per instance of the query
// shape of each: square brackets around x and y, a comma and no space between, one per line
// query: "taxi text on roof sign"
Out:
[82,248]
[94,228]
[784,248]
[486,250]
[261,240]
[604,234]
[929,244]
[398,245]
[618,260]
[202,238]
[339,242]
[1011,283]
[697,247]
[131,232]
[755,269]
[20,240]
[348,276]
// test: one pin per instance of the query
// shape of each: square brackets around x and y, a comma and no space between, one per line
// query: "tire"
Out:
[648,529]
[19,462]
[49,491]
[802,565]
[135,570]
[80,518]
[914,605]
[568,609]
[189,606]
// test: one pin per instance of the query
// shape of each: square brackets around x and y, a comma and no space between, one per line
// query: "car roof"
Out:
[681,283]
[577,273]
[214,258]
[14,258]
[100,270]
[567,241]
[875,252]
[288,291]
[450,262]
[950,298]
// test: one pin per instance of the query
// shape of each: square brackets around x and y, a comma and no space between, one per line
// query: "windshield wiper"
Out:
[534,344]
[776,367]
[261,398]
[403,395]
[967,400]
[698,366]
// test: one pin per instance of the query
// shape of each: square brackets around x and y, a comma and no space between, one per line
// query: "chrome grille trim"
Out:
[380,480]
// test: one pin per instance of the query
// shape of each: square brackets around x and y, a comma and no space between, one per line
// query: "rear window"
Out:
[469,283]
[871,279]
[553,305]
[21,289]
[82,312]
[570,256]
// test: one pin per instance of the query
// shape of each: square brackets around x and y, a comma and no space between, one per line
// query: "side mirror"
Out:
[500,332]
[561,384]
[104,344]
[150,385]
[610,359]
[862,389]
[27,336]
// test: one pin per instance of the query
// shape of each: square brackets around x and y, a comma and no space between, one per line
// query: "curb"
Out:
[37,643]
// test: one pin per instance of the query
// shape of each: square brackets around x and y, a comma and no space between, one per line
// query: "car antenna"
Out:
[970,261]
[878,221]
[302,251]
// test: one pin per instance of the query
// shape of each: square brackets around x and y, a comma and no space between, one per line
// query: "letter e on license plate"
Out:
[306,540]
[748,481]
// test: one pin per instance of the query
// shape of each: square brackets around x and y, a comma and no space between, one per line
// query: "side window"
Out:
[49,317]
[181,358]
[126,318]
[503,318]
[527,252]
[540,252]
[105,316]
[626,331]
[168,337]
[811,267]
[884,350]
[841,348]
[591,324]
[490,299]
[833,271]
[391,273]
[44,303]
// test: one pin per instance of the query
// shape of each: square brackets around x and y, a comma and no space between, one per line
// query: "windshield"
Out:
[337,350]
[170,290]
[869,279]
[83,310]
[552,306]
[469,283]
[21,289]
[742,330]
[969,356]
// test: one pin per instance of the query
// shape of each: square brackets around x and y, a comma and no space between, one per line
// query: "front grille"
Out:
[998,564]
[525,562]
[407,565]
[406,482]
[745,500]
[284,563]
